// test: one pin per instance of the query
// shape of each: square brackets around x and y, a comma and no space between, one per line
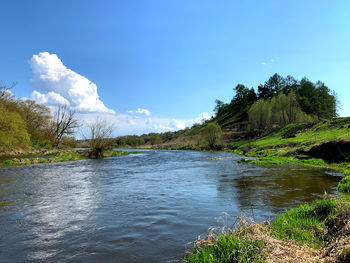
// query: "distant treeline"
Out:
[277,102]
[25,124]
[151,138]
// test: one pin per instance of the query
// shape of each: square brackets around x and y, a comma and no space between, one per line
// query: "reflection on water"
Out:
[141,207]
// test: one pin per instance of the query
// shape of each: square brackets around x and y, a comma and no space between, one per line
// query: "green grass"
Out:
[344,185]
[229,248]
[56,156]
[115,153]
[305,138]
[305,224]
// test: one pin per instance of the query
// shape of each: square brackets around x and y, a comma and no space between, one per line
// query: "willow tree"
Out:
[277,112]
[212,134]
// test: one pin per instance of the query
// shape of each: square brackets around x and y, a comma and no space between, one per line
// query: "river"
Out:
[139,208]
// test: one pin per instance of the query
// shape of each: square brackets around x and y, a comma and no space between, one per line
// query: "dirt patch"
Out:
[332,151]
[278,251]
[338,249]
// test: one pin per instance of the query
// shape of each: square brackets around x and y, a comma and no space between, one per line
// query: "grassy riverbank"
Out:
[310,233]
[325,144]
[52,156]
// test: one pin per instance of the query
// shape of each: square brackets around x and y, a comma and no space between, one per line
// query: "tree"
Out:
[212,134]
[38,120]
[219,105]
[13,132]
[5,92]
[64,123]
[99,137]
[277,112]
[155,139]
[272,87]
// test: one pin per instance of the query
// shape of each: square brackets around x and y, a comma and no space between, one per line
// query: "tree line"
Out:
[277,102]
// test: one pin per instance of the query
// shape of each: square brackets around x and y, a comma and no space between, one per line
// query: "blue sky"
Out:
[160,65]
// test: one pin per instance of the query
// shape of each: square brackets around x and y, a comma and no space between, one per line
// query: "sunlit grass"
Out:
[229,248]
[305,224]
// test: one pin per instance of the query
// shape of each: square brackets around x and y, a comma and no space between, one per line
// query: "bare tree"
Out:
[64,123]
[5,92]
[100,132]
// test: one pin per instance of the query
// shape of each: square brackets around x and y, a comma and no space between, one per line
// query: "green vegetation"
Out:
[303,234]
[305,224]
[303,100]
[229,248]
[277,112]
[26,125]
[13,132]
[54,156]
[324,144]
[212,135]
[114,153]
[48,157]
[344,184]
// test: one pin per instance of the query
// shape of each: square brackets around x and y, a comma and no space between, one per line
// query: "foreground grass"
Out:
[229,248]
[304,234]
[306,224]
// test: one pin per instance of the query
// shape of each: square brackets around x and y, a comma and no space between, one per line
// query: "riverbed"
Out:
[141,207]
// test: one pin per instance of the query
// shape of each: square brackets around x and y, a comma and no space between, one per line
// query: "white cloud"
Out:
[141,111]
[51,98]
[264,63]
[54,83]
[125,124]
[161,125]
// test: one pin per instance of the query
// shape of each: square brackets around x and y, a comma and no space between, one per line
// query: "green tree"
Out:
[277,112]
[155,139]
[212,134]
[13,133]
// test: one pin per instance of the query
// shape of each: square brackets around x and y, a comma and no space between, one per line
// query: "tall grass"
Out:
[229,248]
[305,224]
[344,184]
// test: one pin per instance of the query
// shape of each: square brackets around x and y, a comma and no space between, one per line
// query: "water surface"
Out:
[141,207]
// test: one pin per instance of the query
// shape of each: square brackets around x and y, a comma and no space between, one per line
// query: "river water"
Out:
[141,207]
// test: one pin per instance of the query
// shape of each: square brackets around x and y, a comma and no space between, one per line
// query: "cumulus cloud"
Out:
[51,98]
[141,111]
[54,83]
